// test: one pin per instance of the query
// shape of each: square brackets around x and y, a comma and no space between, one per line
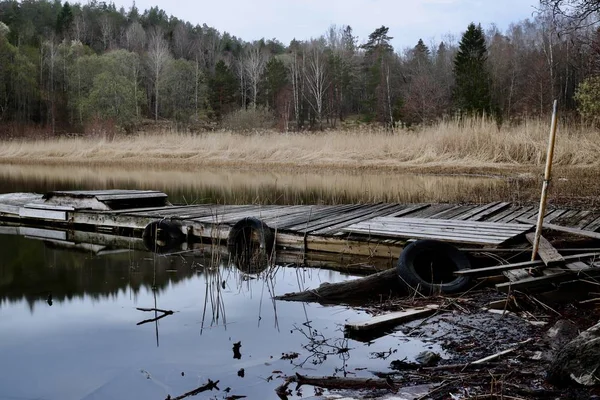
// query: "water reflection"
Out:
[246,187]
[89,344]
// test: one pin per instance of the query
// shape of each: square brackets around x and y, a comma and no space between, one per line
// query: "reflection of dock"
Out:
[373,230]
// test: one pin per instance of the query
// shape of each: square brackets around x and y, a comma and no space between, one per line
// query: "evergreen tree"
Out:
[64,20]
[378,105]
[222,90]
[472,90]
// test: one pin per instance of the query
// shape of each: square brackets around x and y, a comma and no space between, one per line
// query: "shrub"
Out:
[249,120]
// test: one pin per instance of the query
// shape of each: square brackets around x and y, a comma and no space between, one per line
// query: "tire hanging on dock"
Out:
[429,266]
[163,236]
[250,243]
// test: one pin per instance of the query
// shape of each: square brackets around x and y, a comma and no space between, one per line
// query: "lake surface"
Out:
[71,328]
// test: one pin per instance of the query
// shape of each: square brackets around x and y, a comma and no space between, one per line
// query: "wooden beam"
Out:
[558,228]
[393,318]
[526,264]
[549,255]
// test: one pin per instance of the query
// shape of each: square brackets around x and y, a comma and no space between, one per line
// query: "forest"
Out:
[69,68]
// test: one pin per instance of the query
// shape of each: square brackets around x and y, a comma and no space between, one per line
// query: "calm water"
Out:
[71,329]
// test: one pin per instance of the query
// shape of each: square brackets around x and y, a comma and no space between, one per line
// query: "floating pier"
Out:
[375,230]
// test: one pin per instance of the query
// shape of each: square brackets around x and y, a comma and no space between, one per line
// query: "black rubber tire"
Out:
[163,236]
[425,262]
[250,243]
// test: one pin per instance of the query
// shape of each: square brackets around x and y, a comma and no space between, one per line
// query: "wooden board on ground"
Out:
[549,255]
[393,318]
[558,228]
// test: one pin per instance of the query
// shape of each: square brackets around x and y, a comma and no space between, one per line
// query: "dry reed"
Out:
[473,143]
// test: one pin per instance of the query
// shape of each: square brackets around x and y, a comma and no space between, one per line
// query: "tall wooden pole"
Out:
[547,177]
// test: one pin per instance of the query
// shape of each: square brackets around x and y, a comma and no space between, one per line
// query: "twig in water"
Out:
[208,386]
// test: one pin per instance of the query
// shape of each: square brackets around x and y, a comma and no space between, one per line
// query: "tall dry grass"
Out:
[471,143]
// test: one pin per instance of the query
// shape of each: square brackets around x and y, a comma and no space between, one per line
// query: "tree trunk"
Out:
[380,285]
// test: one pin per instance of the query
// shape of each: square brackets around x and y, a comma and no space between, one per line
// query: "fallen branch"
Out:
[164,314]
[208,386]
[499,354]
[334,382]
[373,286]
[168,312]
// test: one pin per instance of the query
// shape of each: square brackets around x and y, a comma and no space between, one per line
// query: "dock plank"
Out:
[593,226]
[490,211]
[384,211]
[549,255]
[574,231]
[474,211]
[393,318]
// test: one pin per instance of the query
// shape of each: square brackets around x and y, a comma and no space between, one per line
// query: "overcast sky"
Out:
[408,20]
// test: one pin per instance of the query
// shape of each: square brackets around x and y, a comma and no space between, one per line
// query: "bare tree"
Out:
[254,65]
[106,28]
[294,68]
[181,41]
[50,56]
[158,58]
[315,76]
[135,37]
[240,70]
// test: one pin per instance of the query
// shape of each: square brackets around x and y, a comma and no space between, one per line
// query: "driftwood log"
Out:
[334,382]
[380,285]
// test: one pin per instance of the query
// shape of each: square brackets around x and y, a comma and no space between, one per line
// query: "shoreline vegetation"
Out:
[473,146]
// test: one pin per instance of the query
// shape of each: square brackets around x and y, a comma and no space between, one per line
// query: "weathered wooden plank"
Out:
[593,226]
[346,219]
[549,255]
[533,282]
[384,211]
[311,213]
[131,197]
[574,231]
[516,214]
[394,318]
[367,228]
[368,248]
[51,207]
[40,233]
[585,220]
[451,223]
[503,214]
[577,266]
[515,275]
[566,217]
[9,209]
[409,210]
[437,235]
[526,264]
[490,211]
[475,211]
[452,212]
[320,217]
[35,213]
[554,215]
[431,210]
[258,212]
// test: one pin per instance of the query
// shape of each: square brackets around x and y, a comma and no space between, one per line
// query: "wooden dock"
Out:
[374,230]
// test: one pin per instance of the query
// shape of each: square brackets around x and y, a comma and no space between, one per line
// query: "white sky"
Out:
[408,20]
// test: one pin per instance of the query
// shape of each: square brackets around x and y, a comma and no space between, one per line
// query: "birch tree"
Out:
[315,76]
[158,58]
[254,65]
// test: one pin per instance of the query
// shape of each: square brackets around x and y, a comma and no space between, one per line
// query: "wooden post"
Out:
[547,177]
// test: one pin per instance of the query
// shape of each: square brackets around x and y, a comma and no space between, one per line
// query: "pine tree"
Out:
[222,90]
[64,20]
[472,90]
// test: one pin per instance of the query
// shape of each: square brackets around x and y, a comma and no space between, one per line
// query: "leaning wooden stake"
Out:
[547,177]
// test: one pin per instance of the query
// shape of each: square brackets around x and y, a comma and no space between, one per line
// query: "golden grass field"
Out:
[471,146]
